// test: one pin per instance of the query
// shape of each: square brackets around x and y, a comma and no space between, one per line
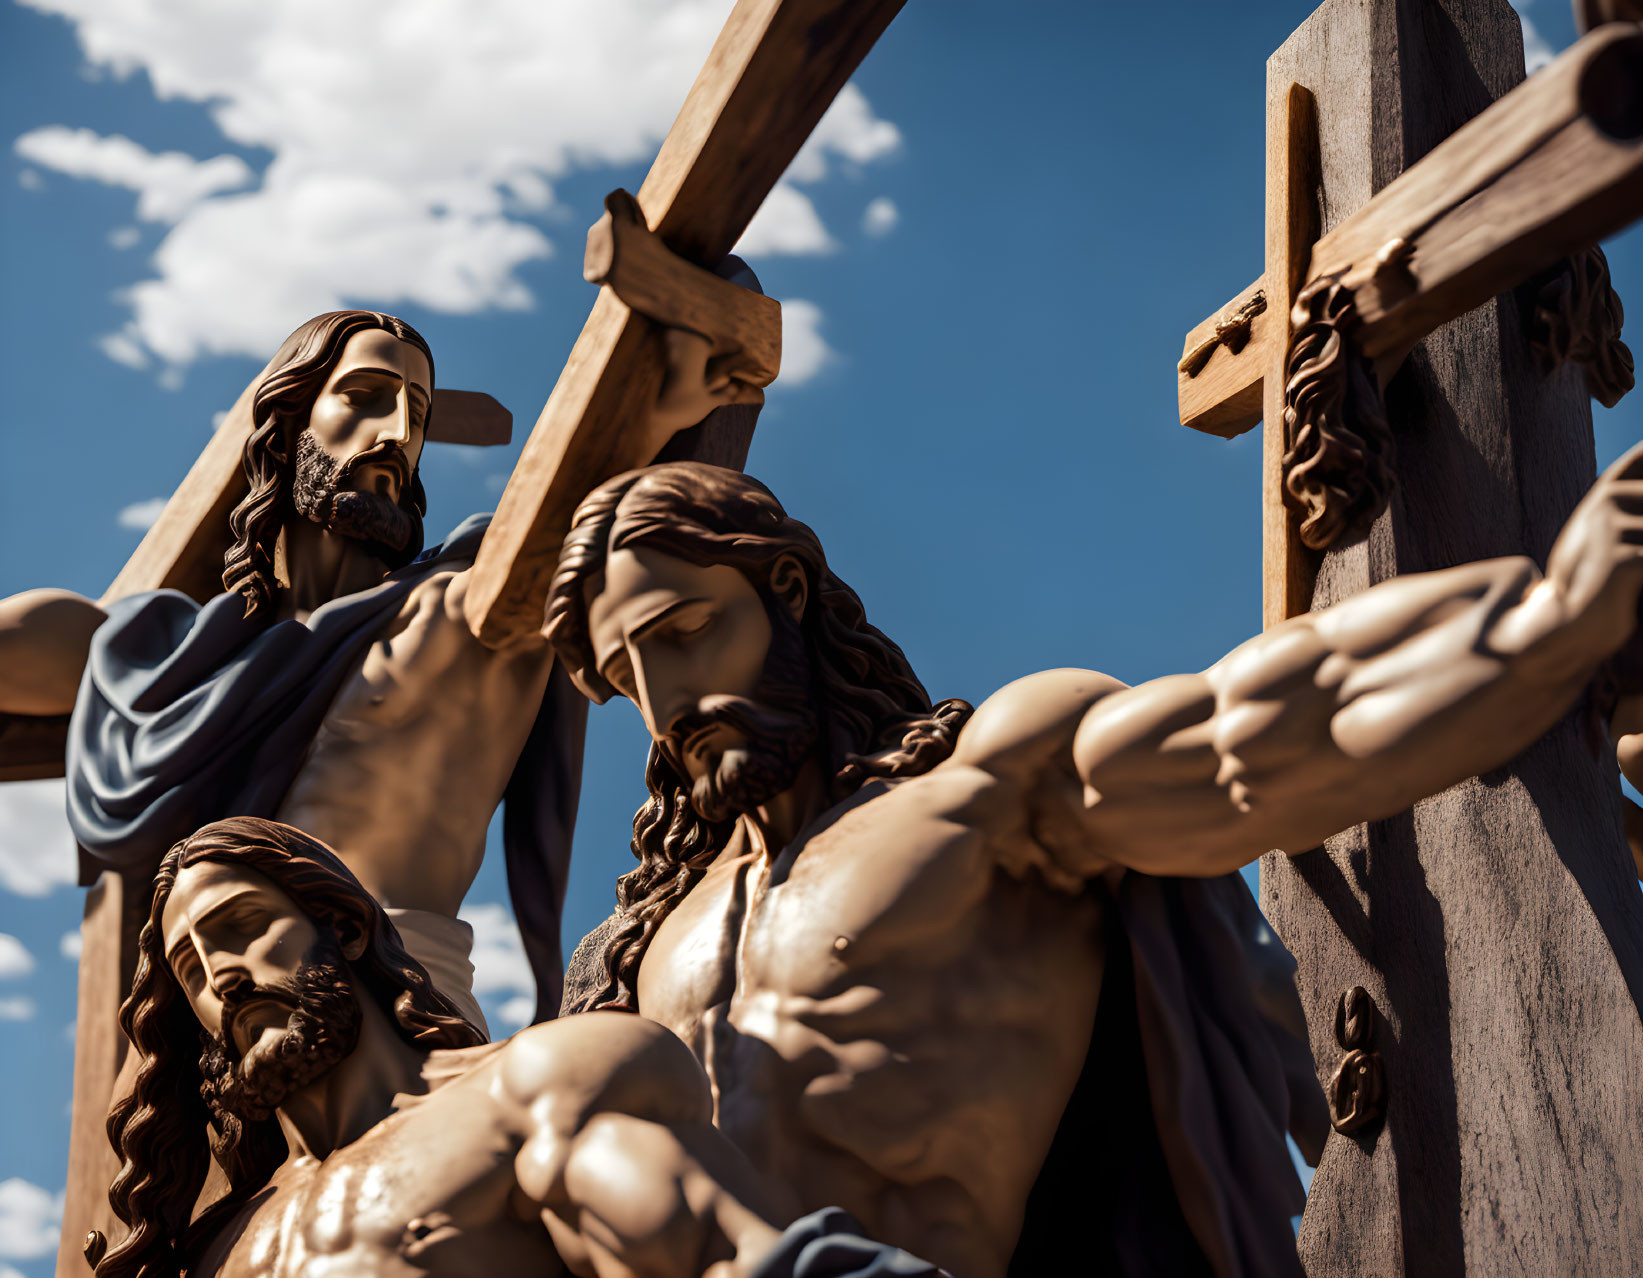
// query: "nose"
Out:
[663,701]
[397,428]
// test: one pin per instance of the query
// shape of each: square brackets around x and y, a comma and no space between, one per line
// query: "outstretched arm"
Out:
[1355,712]
[1337,717]
[44,638]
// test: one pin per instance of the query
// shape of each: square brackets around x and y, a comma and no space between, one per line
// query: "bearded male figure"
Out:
[883,927]
[335,684]
[366,1128]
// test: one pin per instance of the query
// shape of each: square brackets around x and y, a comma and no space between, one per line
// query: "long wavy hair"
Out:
[875,717]
[161,1129]
[279,411]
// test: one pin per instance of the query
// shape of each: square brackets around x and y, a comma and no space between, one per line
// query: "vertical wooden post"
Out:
[107,958]
[1498,925]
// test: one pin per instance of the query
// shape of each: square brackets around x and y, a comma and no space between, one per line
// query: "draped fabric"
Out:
[830,1244]
[1217,1037]
[187,714]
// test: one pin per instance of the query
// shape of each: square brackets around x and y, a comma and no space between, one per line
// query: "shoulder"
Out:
[1026,721]
[598,1060]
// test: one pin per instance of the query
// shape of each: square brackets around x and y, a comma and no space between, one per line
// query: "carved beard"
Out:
[322,1030]
[777,726]
[386,527]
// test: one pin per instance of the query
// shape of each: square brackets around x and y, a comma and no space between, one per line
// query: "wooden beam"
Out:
[1552,167]
[775,69]
[1292,224]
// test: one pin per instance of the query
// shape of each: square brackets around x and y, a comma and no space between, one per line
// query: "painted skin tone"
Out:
[892,996]
[412,758]
[581,1146]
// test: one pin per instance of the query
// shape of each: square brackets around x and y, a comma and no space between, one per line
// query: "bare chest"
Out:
[383,1207]
[889,1021]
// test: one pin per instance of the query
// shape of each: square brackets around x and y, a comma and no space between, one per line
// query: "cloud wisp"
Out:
[36,846]
[424,174]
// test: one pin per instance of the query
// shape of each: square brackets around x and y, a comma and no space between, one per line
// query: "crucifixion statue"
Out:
[384,705]
[1431,325]
[365,1126]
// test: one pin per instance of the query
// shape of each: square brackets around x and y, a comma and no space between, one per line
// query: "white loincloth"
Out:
[442,945]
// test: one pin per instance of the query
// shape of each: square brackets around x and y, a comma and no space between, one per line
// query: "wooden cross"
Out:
[1496,927]
[774,70]
[1554,166]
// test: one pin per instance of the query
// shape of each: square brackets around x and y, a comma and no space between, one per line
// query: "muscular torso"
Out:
[892,1020]
[380,1208]
[416,749]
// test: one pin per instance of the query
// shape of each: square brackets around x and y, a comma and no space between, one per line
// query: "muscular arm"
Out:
[44,638]
[1345,715]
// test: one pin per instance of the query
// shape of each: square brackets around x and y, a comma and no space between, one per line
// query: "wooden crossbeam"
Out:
[775,69]
[1550,168]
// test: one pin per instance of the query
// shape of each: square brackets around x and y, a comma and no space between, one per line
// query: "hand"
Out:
[1596,565]
[696,382]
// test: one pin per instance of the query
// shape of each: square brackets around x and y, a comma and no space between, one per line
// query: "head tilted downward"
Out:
[251,968]
[333,368]
[669,578]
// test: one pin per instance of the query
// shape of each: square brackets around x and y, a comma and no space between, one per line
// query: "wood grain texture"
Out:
[774,70]
[1292,224]
[1223,397]
[31,746]
[108,934]
[1498,925]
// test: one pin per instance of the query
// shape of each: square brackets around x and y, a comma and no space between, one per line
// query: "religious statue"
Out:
[872,919]
[366,1127]
[335,683]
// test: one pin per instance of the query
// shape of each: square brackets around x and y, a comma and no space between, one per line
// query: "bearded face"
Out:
[320,492]
[753,747]
[322,1028]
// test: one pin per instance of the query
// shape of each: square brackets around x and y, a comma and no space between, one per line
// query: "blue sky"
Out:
[988,263]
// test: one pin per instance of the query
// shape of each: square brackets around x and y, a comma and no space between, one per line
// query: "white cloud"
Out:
[517,1011]
[140,514]
[18,1007]
[403,177]
[787,222]
[15,959]
[1536,51]
[167,185]
[6,1271]
[880,216]
[804,351]
[124,237]
[69,945]
[123,348]
[30,180]
[29,1220]
[36,848]
[500,965]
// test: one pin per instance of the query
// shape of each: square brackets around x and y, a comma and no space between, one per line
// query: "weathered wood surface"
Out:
[1553,167]
[1497,925]
[774,70]
[31,746]
[107,958]
[1292,224]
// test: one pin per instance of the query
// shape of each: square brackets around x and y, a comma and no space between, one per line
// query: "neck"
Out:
[319,566]
[772,826]
[358,1094]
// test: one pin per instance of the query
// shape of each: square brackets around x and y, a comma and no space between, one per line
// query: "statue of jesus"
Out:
[882,925]
[334,684]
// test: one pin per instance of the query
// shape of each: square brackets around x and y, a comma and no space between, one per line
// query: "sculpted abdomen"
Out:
[414,753]
[910,1019]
